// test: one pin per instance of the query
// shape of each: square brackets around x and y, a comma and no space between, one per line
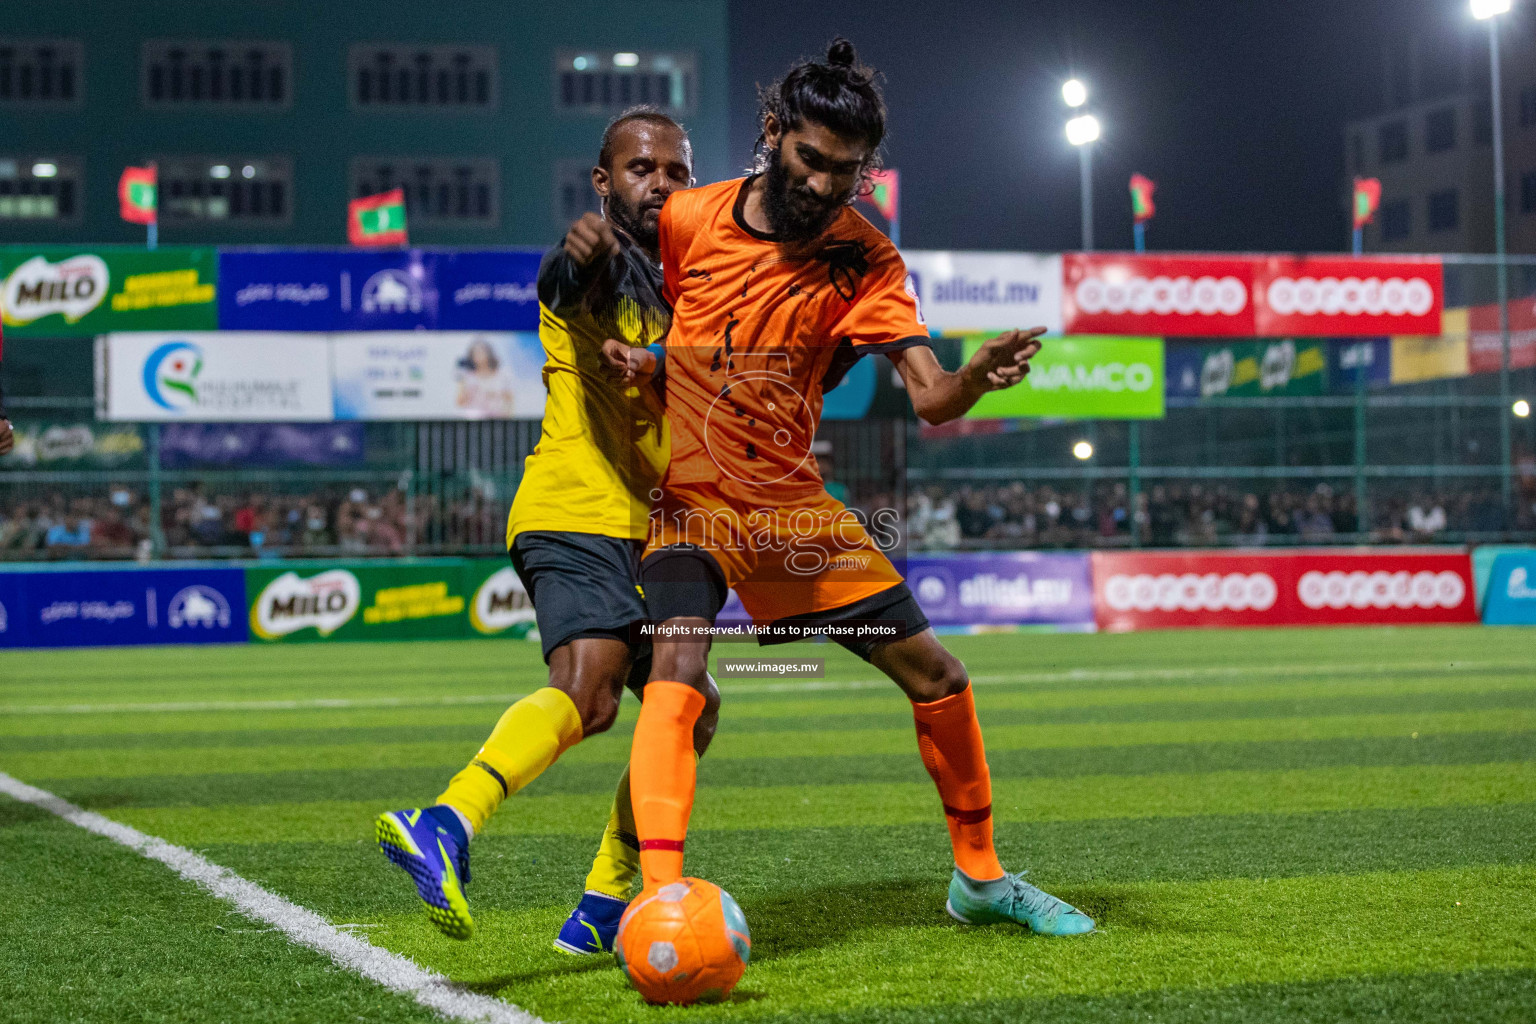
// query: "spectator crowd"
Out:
[358,521]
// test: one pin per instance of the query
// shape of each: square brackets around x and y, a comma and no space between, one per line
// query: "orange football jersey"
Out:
[760,329]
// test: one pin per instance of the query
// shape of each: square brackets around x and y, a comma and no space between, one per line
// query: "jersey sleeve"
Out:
[884,315]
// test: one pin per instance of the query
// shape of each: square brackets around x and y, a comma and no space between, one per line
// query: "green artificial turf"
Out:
[1331,825]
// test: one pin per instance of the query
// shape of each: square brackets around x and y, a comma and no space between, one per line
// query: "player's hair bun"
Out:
[840,54]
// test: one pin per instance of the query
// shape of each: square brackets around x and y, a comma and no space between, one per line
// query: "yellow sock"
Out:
[618,855]
[527,739]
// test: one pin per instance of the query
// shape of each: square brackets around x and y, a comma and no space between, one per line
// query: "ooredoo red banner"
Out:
[1249,296]
[1485,351]
[1125,293]
[1326,295]
[1171,590]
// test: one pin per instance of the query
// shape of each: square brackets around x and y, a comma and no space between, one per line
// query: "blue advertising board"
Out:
[1511,598]
[1353,358]
[395,290]
[110,607]
[961,593]
[852,397]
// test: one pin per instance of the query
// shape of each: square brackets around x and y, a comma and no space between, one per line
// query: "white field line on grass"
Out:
[1082,675]
[302,926]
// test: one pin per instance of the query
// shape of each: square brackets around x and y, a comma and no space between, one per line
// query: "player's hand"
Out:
[591,241]
[7,438]
[1003,361]
[627,365]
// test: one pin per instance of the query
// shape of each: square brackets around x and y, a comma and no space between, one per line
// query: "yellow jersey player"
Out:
[576,531]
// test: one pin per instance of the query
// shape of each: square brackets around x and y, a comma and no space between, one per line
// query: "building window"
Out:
[45,188]
[226,190]
[573,192]
[403,76]
[590,82]
[1528,107]
[1440,130]
[1444,210]
[41,71]
[1393,142]
[1396,220]
[216,73]
[1528,192]
[439,192]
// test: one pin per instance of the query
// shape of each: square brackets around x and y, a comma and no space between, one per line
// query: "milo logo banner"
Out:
[499,605]
[357,601]
[57,291]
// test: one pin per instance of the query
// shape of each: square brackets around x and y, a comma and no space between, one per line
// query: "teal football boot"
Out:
[1010,899]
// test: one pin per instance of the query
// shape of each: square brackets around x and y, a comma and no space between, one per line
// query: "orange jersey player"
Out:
[777,288]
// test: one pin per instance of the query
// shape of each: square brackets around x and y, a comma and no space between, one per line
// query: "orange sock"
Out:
[949,737]
[662,776]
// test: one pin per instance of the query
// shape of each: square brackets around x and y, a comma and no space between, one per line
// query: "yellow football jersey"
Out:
[603,448]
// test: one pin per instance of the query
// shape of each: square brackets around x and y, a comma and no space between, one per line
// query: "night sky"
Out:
[1236,110]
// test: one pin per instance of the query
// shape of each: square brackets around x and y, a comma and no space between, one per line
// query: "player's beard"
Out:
[796,214]
[642,223]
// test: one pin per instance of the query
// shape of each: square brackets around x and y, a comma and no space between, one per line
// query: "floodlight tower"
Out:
[1489,11]
[1082,132]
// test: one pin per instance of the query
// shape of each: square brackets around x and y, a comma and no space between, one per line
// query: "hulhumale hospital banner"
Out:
[1082,378]
[407,290]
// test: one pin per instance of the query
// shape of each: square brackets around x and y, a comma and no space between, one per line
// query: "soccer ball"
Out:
[683,942]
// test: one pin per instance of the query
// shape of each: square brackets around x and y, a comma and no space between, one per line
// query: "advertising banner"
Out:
[1349,358]
[1511,598]
[1082,377]
[216,376]
[45,445]
[498,602]
[1246,369]
[1486,344]
[58,292]
[986,291]
[1123,293]
[1164,590]
[357,601]
[379,291]
[261,445]
[1004,589]
[438,375]
[1248,296]
[855,394]
[104,607]
[1342,295]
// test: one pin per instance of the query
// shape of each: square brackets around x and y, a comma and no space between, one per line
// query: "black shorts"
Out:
[584,585]
[684,581]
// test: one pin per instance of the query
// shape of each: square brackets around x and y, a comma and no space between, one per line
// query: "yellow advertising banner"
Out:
[1433,357]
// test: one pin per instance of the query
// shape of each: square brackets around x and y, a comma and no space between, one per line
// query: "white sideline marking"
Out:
[1079,675]
[302,926]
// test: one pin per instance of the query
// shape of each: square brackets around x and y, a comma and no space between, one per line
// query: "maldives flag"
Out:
[1367,199]
[377,220]
[886,196]
[137,195]
[1142,207]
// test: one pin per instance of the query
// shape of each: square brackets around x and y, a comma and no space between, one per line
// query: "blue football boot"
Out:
[430,845]
[1011,899]
[592,926]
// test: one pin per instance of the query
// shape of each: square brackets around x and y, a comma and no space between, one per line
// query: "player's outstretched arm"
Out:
[939,396]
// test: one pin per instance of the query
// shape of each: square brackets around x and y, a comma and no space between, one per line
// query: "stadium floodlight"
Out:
[1482,10]
[248,171]
[1521,408]
[626,60]
[44,170]
[219,171]
[1083,130]
[1082,451]
[1074,93]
